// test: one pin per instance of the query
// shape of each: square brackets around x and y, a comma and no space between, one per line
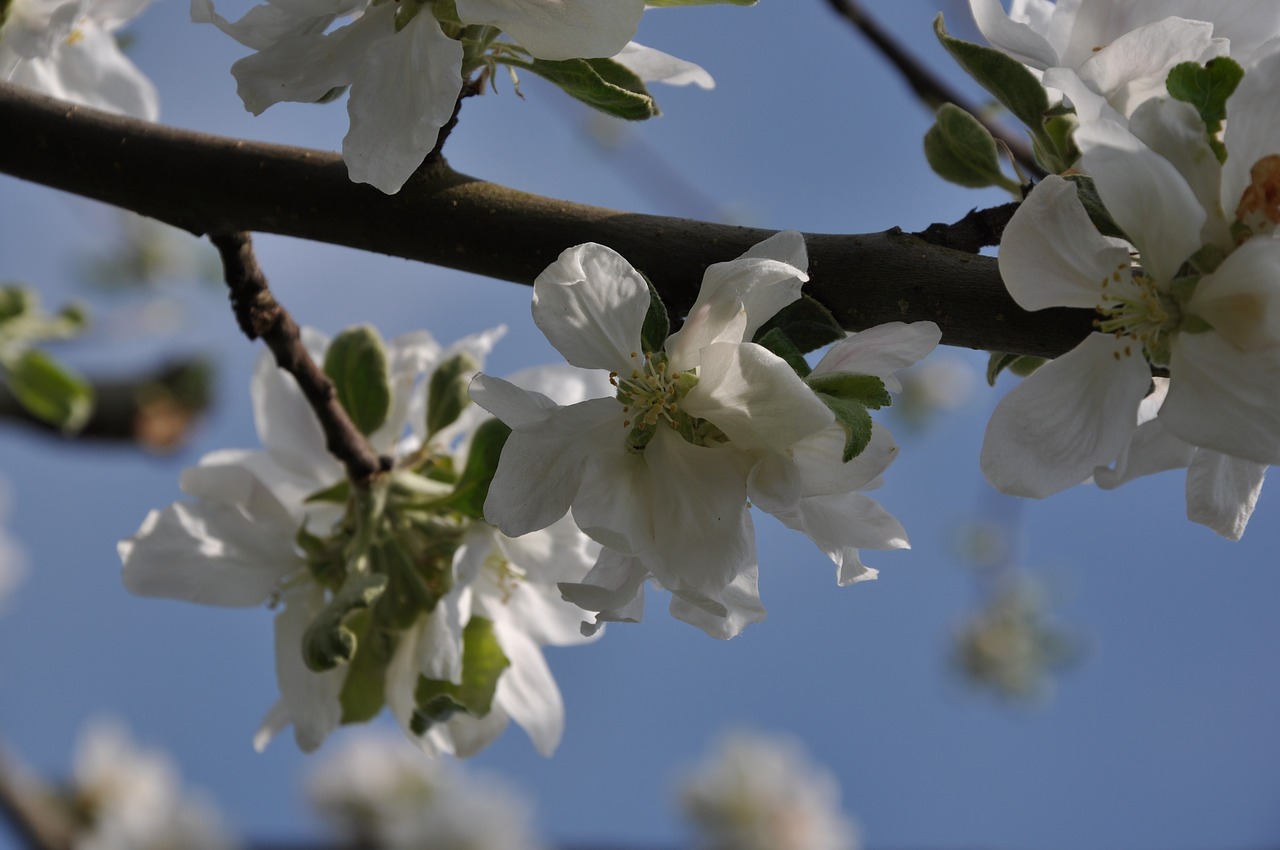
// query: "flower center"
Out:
[1136,308]
[507,574]
[1259,208]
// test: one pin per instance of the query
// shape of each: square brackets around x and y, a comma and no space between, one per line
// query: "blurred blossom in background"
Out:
[758,792]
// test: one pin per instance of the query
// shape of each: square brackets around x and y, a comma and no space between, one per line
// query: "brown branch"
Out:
[977,230]
[155,410]
[209,184]
[260,316]
[929,87]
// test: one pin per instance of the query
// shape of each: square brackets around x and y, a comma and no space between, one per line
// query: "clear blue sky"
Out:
[1165,737]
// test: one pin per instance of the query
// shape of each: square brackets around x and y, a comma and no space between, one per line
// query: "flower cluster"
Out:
[396,594]
[67,48]
[1166,227]
[405,63]
[700,421]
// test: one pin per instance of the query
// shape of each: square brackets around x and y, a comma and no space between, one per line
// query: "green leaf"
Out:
[416,581]
[15,301]
[356,362]
[778,342]
[1019,364]
[848,396]
[336,494]
[806,324]
[364,689]
[960,150]
[49,391]
[482,663]
[482,461]
[447,391]
[602,83]
[657,324]
[1006,78]
[1087,192]
[1207,87]
[329,641]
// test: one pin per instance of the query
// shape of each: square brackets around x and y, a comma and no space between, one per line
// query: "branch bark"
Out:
[211,184]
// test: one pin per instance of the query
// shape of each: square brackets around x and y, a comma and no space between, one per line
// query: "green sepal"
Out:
[328,641]
[418,576]
[356,362]
[447,393]
[848,396]
[806,324]
[482,663]
[1006,78]
[1087,192]
[1207,87]
[1206,260]
[15,301]
[482,462]
[326,559]
[779,343]
[601,83]
[1193,324]
[336,494]
[657,323]
[1019,364]
[49,391]
[962,151]
[364,689]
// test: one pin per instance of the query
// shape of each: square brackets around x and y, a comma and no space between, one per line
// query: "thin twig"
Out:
[260,316]
[28,808]
[929,87]
[977,230]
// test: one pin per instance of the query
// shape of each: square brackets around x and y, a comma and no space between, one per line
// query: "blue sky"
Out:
[1163,737]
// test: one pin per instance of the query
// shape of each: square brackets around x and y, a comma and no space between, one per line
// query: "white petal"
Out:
[93,71]
[286,425]
[1222,491]
[1072,415]
[590,303]
[752,395]
[1145,195]
[1017,39]
[310,698]
[518,408]
[560,29]
[539,472]
[881,351]
[843,523]
[729,611]
[404,92]
[613,503]
[1253,131]
[654,66]
[1224,399]
[1132,68]
[1051,255]
[1152,449]
[208,553]
[1241,299]
[527,691]
[614,585]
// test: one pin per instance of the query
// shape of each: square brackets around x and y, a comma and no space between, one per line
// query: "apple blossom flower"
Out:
[262,523]
[68,49]
[660,473]
[381,794]
[1123,50]
[405,68]
[764,793]
[1202,303]
[133,798]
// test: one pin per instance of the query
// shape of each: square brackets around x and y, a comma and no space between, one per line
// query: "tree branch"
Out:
[260,316]
[929,87]
[210,184]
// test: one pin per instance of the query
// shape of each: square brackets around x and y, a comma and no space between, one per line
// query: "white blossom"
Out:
[764,793]
[68,49]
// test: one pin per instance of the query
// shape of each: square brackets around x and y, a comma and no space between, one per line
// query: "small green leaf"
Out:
[1006,78]
[806,324]
[848,396]
[657,324]
[482,462]
[482,663]
[447,391]
[1019,364]
[1087,192]
[1206,87]
[15,301]
[364,689]
[777,341]
[602,83]
[960,150]
[356,362]
[49,391]
[329,641]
